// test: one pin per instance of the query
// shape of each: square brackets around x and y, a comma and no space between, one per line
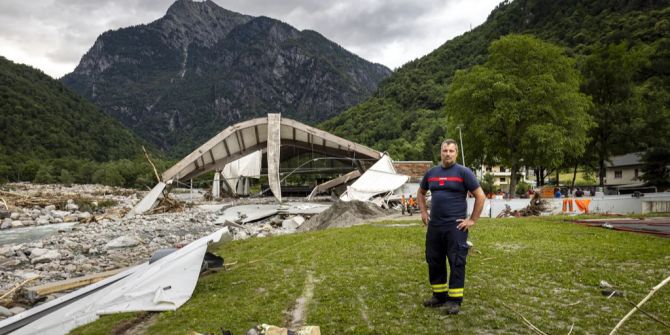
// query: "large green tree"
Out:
[609,74]
[522,106]
[655,95]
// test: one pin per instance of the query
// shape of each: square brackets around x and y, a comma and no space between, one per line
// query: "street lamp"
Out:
[460,135]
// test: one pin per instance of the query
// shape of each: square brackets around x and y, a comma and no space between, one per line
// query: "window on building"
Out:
[637,173]
[502,180]
[618,174]
[502,169]
[489,169]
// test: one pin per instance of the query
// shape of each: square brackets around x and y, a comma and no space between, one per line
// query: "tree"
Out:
[43,175]
[609,79]
[656,168]
[656,135]
[487,183]
[108,175]
[522,106]
[66,177]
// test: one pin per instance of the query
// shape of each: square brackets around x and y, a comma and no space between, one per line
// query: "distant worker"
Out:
[448,225]
[579,193]
[403,204]
[557,192]
[411,204]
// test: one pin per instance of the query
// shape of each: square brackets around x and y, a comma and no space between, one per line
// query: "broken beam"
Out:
[35,292]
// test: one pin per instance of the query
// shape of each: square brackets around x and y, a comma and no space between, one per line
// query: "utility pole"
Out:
[460,135]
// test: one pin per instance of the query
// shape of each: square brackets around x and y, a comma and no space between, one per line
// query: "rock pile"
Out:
[344,214]
[112,241]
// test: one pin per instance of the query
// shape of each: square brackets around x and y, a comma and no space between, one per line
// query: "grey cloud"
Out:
[63,30]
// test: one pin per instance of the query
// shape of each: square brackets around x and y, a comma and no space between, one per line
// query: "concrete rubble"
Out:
[111,241]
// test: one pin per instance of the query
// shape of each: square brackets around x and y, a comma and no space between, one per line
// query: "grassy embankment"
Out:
[371,279]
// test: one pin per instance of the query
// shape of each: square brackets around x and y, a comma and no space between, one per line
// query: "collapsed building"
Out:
[237,154]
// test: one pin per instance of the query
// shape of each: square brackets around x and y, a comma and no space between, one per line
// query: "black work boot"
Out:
[452,307]
[433,302]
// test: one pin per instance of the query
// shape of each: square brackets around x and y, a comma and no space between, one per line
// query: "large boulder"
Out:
[49,256]
[122,242]
[6,224]
[293,223]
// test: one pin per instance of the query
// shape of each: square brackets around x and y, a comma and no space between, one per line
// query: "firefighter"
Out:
[411,205]
[448,225]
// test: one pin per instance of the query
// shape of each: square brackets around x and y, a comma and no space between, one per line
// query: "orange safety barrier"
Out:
[567,203]
[583,205]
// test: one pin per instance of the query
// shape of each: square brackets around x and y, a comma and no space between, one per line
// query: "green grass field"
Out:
[372,279]
[566,178]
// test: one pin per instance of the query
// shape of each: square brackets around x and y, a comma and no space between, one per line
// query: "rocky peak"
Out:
[183,77]
[266,30]
[204,23]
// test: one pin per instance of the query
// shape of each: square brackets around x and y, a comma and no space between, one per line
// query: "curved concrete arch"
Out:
[246,137]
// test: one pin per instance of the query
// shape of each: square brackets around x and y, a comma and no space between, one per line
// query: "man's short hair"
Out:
[449,141]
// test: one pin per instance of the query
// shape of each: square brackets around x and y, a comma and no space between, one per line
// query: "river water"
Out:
[31,234]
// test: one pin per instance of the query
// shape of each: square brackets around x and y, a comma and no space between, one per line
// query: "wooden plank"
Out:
[68,284]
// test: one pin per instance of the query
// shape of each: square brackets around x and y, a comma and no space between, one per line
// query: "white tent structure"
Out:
[380,178]
[236,174]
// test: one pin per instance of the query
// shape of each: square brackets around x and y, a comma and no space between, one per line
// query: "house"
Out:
[414,169]
[502,176]
[624,170]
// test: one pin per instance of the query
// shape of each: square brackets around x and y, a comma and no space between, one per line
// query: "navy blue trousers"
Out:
[445,243]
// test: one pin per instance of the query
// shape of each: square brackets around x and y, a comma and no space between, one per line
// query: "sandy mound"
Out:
[343,214]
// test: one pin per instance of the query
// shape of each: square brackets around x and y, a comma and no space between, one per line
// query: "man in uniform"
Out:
[411,205]
[448,224]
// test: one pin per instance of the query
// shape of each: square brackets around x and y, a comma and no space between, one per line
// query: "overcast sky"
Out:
[52,35]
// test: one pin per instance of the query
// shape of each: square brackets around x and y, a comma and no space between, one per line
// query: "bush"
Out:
[43,175]
[66,177]
[108,176]
[487,183]
[522,188]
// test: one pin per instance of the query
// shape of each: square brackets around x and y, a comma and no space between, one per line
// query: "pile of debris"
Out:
[73,251]
[24,205]
[344,214]
[536,207]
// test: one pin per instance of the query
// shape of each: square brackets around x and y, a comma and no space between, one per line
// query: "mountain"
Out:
[181,79]
[411,100]
[41,119]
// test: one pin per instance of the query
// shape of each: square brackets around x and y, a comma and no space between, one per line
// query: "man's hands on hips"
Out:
[425,218]
[465,224]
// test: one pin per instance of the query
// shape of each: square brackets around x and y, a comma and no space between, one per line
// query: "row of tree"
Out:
[135,173]
[532,105]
